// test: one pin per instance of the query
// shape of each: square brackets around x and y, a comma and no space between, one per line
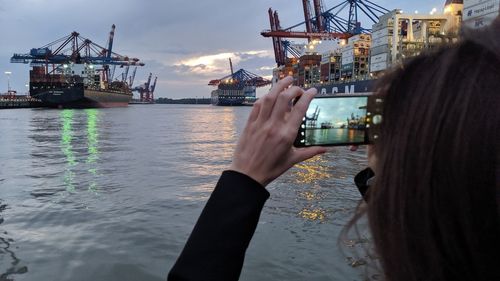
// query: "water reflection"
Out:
[66,151]
[309,173]
[6,251]
[334,135]
[210,140]
[67,148]
[92,146]
[312,170]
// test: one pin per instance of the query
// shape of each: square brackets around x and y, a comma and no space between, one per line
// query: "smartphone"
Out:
[341,120]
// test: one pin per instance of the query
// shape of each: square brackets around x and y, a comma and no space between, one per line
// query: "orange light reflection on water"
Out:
[309,173]
[212,137]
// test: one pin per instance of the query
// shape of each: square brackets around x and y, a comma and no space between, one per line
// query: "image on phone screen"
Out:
[335,121]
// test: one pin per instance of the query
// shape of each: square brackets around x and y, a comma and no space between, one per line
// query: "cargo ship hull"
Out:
[78,97]
[232,96]
[227,99]
[354,87]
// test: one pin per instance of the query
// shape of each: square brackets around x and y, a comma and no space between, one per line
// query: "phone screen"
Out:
[335,121]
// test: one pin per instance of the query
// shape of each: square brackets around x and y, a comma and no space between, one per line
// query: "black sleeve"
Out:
[361,181]
[216,248]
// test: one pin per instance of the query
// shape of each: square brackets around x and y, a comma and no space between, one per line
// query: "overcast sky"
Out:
[185,43]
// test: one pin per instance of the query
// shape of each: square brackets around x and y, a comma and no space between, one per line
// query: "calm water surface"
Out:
[112,194]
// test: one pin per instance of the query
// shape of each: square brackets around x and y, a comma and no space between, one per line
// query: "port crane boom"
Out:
[75,48]
[325,24]
[304,35]
[146,90]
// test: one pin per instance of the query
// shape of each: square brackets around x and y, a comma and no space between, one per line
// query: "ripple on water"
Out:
[104,195]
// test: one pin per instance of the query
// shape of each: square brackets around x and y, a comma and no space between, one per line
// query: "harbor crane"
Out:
[146,90]
[240,78]
[76,49]
[312,120]
[325,24]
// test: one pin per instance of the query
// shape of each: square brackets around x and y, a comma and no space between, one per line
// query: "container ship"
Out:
[351,62]
[236,89]
[77,86]
[82,77]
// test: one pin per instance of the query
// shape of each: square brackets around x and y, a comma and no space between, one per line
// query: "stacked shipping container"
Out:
[479,13]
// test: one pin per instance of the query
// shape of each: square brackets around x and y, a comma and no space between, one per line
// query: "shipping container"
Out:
[482,10]
[382,41]
[360,38]
[379,50]
[379,66]
[347,53]
[480,22]
[379,58]
[472,3]
[382,33]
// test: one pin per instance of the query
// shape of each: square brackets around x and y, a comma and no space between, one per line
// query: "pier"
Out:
[19,102]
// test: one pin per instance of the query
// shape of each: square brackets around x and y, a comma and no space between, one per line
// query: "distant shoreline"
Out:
[184,101]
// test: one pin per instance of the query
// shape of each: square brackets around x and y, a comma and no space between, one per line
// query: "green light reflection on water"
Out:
[92,146]
[67,147]
[67,138]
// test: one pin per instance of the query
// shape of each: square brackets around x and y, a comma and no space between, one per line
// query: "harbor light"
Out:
[8,73]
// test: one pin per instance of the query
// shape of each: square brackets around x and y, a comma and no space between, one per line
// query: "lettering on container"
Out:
[482,9]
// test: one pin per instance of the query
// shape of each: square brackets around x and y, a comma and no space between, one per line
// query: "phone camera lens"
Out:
[377,119]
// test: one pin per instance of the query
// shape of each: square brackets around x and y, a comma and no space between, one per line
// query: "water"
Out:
[316,136]
[112,194]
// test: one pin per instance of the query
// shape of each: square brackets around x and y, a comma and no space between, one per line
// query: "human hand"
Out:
[265,149]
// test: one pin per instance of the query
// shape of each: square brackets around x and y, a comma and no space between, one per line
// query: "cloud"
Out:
[217,64]
[266,68]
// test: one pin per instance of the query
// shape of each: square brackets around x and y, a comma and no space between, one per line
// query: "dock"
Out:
[19,102]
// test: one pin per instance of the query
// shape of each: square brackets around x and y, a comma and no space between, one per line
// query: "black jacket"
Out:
[216,248]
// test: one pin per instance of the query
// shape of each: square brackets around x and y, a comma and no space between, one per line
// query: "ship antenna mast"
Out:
[231,65]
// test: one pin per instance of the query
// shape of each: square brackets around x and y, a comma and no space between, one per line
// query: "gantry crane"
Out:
[240,79]
[146,90]
[325,24]
[77,49]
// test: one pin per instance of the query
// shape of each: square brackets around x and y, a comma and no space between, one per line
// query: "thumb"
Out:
[302,154]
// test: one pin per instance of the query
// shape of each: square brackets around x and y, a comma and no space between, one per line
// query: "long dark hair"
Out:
[433,210]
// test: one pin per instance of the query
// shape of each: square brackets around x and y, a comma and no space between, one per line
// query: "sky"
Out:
[337,110]
[185,43]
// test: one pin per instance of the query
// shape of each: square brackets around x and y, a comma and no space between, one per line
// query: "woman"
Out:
[433,209]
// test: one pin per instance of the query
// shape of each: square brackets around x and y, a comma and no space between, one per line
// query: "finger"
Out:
[255,113]
[302,154]
[282,105]
[300,108]
[269,100]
